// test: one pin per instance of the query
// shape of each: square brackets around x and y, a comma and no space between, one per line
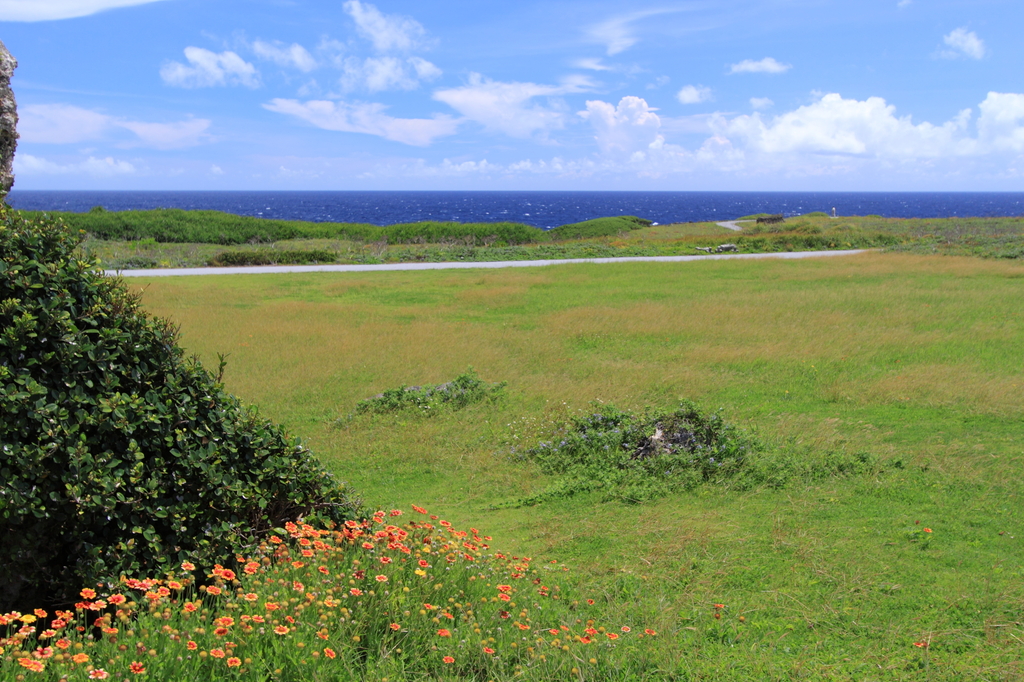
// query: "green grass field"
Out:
[912,361]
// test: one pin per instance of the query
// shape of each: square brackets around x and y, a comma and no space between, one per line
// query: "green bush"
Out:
[119,454]
[636,457]
[273,257]
[456,394]
[177,226]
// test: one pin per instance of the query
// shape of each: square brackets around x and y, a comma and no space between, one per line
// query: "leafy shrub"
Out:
[133,263]
[636,457]
[273,257]
[598,227]
[456,394]
[119,455]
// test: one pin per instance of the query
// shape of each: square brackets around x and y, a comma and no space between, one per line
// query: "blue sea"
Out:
[541,209]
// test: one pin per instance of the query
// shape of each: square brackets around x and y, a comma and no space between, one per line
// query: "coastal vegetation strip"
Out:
[174,238]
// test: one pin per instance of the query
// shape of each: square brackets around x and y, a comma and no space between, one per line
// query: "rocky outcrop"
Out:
[8,121]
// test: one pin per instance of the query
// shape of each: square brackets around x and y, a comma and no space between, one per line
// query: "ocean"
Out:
[541,209]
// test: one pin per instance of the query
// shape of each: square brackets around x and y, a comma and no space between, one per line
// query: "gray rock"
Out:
[8,121]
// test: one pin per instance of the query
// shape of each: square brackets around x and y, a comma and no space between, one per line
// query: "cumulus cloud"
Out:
[761,103]
[208,69]
[387,32]
[1001,123]
[508,107]
[630,127]
[368,118]
[26,164]
[294,55]
[963,43]
[837,126]
[67,124]
[49,10]
[766,65]
[693,94]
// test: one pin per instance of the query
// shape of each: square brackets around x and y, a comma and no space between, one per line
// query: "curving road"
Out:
[276,269]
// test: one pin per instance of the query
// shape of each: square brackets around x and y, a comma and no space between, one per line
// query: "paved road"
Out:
[274,269]
[734,224]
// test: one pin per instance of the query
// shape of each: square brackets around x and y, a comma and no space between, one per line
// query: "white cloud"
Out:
[216,170]
[386,73]
[591,63]
[693,94]
[49,10]
[964,43]
[1001,123]
[292,56]
[368,118]
[207,69]
[424,69]
[617,33]
[508,107]
[33,165]
[904,3]
[625,129]
[838,126]
[187,133]
[60,124]
[386,32]
[766,65]
[67,124]
[761,103]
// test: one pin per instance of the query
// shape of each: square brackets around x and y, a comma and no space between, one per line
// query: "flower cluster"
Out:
[366,597]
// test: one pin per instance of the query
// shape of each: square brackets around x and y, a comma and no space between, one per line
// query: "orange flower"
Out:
[213,589]
[626,628]
[227,574]
[220,632]
[117,599]
[188,566]
[324,570]
[251,567]
[137,668]
[504,597]
[585,640]
[419,510]
[448,659]
[612,635]
[281,630]
[88,593]
[234,662]
[32,664]
[191,646]
[189,607]
[355,592]
[927,530]
[367,545]
[98,674]
[385,559]
[395,626]
[251,596]
[382,578]
[443,632]
[329,653]
[225,621]
[80,658]
[921,645]
[271,606]
[504,588]
[650,632]
[488,650]
[63,643]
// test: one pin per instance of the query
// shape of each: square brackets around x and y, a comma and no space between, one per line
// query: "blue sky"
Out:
[660,95]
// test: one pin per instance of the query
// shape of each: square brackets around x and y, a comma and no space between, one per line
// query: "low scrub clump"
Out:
[635,457]
[369,599]
[599,227]
[460,392]
[120,455]
[274,257]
